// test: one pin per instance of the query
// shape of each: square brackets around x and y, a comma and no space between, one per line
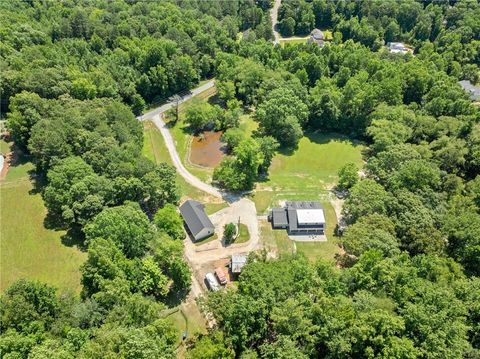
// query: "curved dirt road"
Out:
[172,150]
[239,207]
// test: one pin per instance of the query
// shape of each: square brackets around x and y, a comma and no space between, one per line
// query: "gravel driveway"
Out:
[238,206]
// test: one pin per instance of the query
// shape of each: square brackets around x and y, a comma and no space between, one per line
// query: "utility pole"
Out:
[177,100]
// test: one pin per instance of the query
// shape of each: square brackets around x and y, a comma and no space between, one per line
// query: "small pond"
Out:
[207,149]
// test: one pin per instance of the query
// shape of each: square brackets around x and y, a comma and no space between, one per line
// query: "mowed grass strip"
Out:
[186,318]
[27,249]
[243,236]
[293,41]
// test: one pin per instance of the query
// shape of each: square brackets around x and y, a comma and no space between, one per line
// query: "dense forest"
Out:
[450,28]
[74,74]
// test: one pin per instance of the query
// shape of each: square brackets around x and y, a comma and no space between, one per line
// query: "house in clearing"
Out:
[196,220]
[472,90]
[397,48]
[299,217]
[317,37]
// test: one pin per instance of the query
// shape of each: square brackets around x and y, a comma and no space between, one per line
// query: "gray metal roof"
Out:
[473,91]
[317,34]
[279,217]
[289,214]
[238,261]
[194,215]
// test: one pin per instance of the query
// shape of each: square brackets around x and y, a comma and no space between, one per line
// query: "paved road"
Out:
[274,17]
[170,105]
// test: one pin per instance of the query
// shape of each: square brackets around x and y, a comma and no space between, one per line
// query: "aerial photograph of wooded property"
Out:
[240,179]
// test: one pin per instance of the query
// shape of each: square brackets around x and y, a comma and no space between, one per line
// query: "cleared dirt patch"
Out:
[207,150]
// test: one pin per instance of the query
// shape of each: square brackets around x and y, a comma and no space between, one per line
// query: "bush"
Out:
[229,232]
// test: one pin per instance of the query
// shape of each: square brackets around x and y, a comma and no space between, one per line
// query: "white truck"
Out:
[212,282]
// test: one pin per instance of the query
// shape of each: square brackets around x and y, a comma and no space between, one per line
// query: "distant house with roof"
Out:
[299,217]
[237,262]
[317,37]
[397,48]
[196,220]
[471,89]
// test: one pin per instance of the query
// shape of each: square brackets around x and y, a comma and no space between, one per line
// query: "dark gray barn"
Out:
[197,221]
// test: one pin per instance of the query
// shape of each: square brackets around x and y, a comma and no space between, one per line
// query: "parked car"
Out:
[212,282]
[222,278]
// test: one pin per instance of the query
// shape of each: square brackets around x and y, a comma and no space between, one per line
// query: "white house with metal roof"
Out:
[299,217]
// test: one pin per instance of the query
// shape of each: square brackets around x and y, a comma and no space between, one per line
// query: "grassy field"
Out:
[275,240]
[154,149]
[27,248]
[309,171]
[294,41]
[186,318]
[243,236]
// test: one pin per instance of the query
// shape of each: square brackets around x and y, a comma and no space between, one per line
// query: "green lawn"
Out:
[276,240]
[183,138]
[248,124]
[243,236]
[4,147]
[306,174]
[186,318]
[325,250]
[328,35]
[209,239]
[295,41]
[27,248]
[309,171]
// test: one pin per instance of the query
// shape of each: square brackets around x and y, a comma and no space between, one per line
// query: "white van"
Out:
[212,282]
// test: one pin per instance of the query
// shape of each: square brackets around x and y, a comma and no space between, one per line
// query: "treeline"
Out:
[135,52]
[448,28]
[97,185]
[382,307]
